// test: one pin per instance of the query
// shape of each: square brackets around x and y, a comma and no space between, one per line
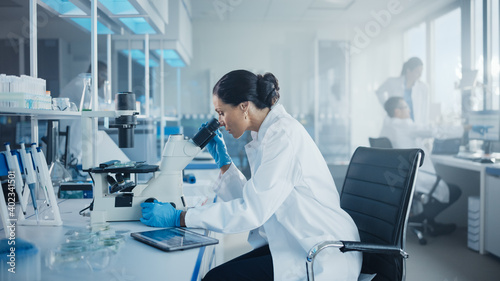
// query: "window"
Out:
[415,42]
[478,58]
[446,67]
[494,62]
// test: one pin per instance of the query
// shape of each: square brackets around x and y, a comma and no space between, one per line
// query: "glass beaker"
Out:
[86,99]
[107,92]
[61,104]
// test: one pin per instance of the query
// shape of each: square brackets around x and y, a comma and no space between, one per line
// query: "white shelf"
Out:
[40,113]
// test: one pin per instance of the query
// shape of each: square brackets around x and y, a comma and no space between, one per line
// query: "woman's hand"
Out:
[160,214]
[217,148]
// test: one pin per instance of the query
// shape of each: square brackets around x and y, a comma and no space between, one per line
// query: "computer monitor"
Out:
[485,126]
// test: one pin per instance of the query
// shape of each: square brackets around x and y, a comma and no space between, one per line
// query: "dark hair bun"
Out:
[268,89]
[239,86]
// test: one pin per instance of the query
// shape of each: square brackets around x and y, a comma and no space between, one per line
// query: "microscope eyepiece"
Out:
[206,133]
[213,125]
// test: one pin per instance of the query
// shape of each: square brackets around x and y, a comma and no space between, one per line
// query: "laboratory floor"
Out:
[447,258]
[444,258]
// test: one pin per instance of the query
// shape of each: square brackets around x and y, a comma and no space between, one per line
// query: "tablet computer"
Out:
[173,239]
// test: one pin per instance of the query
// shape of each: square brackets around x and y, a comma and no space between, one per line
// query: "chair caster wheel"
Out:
[422,241]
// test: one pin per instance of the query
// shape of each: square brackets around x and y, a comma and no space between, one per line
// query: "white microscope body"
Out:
[165,186]
[119,200]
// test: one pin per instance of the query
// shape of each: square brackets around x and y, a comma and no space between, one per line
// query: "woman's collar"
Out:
[276,110]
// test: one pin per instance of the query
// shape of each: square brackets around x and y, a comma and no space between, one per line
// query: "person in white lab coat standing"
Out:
[289,204]
[409,86]
[403,132]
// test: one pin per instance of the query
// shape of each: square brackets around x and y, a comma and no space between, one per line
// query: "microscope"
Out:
[116,199]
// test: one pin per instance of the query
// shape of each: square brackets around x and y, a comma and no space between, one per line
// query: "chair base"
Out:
[420,235]
[419,228]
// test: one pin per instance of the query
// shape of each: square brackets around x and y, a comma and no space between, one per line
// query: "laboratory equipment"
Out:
[126,120]
[61,104]
[14,167]
[37,160]
[29,176]
[24,92]
[86,91]
[165,186]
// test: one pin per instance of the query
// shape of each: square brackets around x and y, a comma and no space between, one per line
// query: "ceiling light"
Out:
[64,7]
[171,57]
[119,7]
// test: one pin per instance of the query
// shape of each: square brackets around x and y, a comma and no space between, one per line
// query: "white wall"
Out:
[284,50]
[287,50]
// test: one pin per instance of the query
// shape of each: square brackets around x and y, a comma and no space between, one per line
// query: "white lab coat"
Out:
[290,203]
[395,87]
[404,133]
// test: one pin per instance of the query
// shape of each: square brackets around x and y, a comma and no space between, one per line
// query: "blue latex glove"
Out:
[218,149]
[160,214]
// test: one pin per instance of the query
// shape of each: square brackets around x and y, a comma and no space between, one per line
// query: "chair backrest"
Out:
[382,142]
[377,193]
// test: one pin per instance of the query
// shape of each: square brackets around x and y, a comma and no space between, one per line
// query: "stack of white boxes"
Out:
[473,224]
[24,92]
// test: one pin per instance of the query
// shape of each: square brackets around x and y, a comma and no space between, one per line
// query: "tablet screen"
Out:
[172,239]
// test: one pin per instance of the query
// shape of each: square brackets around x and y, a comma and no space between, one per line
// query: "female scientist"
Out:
[288,205]
[409,86]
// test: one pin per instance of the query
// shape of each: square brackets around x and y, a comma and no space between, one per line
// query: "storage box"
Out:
[24,100]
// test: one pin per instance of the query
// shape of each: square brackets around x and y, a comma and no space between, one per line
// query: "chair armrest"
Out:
[347,246]
[315,250]
[372,248]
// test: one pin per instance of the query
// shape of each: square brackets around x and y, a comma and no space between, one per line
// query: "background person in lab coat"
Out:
[289,204]
[403,132]
[409,86]
[73,90]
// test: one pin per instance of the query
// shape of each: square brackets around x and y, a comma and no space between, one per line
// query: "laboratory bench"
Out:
[129,259]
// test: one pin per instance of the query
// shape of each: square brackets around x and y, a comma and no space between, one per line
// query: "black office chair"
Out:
[418,228]
[382,142]
[377,194]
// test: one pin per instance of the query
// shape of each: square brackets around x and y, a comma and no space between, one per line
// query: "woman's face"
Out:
[231,117]
[415,73]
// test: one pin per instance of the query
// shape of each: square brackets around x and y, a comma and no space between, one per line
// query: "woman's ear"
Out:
[244,106]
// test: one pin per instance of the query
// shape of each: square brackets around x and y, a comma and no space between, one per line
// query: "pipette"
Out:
[41,170]
[29,173]
[14,166]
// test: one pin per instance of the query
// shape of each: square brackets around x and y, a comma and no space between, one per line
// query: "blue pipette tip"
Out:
[6,143]
[33,143]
